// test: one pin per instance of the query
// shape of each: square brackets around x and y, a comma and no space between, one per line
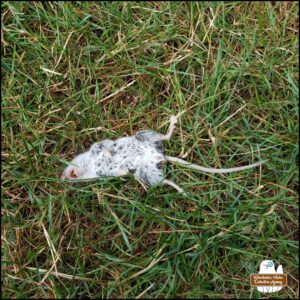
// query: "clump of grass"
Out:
[78,72]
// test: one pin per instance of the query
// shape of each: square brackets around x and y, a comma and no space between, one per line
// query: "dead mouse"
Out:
[141,155]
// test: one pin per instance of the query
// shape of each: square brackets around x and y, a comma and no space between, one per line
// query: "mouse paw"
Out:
[173,119]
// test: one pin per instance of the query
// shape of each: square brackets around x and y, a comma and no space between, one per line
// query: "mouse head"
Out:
[79,167]
[83,165]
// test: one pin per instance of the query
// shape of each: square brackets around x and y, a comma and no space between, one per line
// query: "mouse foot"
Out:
[175,186]
[173,120]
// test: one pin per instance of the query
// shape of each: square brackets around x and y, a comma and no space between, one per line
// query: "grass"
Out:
[78,72]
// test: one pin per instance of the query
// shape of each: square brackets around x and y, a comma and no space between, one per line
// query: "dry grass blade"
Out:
[59,274]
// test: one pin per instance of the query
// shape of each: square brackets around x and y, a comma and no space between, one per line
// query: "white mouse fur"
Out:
[141,155]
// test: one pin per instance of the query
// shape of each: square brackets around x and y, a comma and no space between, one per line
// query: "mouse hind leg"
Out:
[166,137]
[150,177]
[173,121]
[174,185]
[152,136]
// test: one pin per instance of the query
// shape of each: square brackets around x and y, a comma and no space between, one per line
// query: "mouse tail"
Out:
[212,170]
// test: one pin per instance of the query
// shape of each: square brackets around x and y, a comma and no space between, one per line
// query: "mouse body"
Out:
[137,155]
[141,155]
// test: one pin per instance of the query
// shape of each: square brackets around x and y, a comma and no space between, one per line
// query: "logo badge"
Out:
[269,280]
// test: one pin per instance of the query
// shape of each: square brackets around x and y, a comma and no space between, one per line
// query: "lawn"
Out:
[74,73]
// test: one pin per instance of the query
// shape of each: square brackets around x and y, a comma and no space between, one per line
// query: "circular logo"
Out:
[270,264]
